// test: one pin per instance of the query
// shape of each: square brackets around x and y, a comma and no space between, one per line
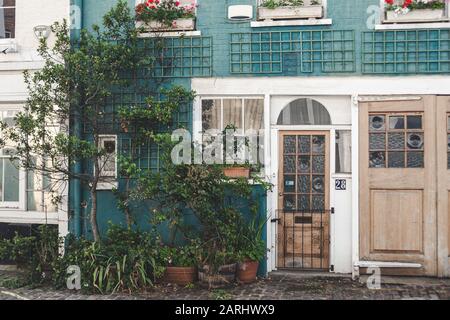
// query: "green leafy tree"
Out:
[67,110]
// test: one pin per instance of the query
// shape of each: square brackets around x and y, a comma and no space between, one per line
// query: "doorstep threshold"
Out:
[302,274]
[387,264]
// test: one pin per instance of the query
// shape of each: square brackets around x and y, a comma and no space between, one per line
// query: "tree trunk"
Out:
[128,218]
[93,218]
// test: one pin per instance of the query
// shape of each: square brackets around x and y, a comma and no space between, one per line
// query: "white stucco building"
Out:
[22,199]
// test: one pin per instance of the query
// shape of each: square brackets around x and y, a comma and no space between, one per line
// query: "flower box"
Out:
[416,15]
[236,172]
[185,24]
[281,13]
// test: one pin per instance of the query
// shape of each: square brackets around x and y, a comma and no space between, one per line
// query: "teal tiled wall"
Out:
[348,46]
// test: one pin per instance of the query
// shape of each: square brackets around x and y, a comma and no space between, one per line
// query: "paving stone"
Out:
[286,288]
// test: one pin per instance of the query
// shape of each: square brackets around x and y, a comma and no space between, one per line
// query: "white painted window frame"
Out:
[10,40]
[386,25]
[102,139]
[19,213]
[197,126]
[325,21]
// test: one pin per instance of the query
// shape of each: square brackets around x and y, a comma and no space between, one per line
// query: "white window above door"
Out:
[7,19]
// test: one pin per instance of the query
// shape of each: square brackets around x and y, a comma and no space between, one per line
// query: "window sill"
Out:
[10,44]
[171,34]
[284,23]
[408,26]
[107,185]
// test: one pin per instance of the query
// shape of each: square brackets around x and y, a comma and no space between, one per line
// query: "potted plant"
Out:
[252,249]
[414,10]
[181,264]
[238,169]
[165,15]
[290,9]
[217,268]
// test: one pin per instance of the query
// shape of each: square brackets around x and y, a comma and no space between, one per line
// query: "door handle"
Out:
[278,220]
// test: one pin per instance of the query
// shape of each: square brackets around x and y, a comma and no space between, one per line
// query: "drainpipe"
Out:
[76,20]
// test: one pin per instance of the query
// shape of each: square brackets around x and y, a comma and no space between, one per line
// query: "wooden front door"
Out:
[398,183]
[443,168]
[303,226]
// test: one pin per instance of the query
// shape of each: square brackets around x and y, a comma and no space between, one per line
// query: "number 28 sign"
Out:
[341,184]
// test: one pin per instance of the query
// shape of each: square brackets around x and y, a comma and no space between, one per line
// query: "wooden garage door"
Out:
[398,182]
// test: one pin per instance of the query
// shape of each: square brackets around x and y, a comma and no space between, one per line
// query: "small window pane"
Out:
[377,123]
[415,141]
[11,180]
[304,144]
[318,144]
[304,184]
[318,184]
[303,203]
[232,113]
[289,144]
[415,160]
[304,164]
[448,142]
[343,151]
[254,114]
[396,160]
[211,114]
[377,159]
[396,122]
[289,164]
[289,183]
[396,141]
[318,164]
[414,122]
[377,141]
[289,202]
[318,202]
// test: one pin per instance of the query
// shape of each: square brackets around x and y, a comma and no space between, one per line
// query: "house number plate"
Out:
[341,184]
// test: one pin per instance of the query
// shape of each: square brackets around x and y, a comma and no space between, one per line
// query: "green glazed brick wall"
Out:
[345,47]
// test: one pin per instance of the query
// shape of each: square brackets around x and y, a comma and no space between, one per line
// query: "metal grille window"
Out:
[396,140]
[7,19]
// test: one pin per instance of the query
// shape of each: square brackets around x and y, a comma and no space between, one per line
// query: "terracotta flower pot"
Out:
[247,271]
[237,172]
[181,275]
[225,276]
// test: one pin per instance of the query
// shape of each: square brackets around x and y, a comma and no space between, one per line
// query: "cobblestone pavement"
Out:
[278,287]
